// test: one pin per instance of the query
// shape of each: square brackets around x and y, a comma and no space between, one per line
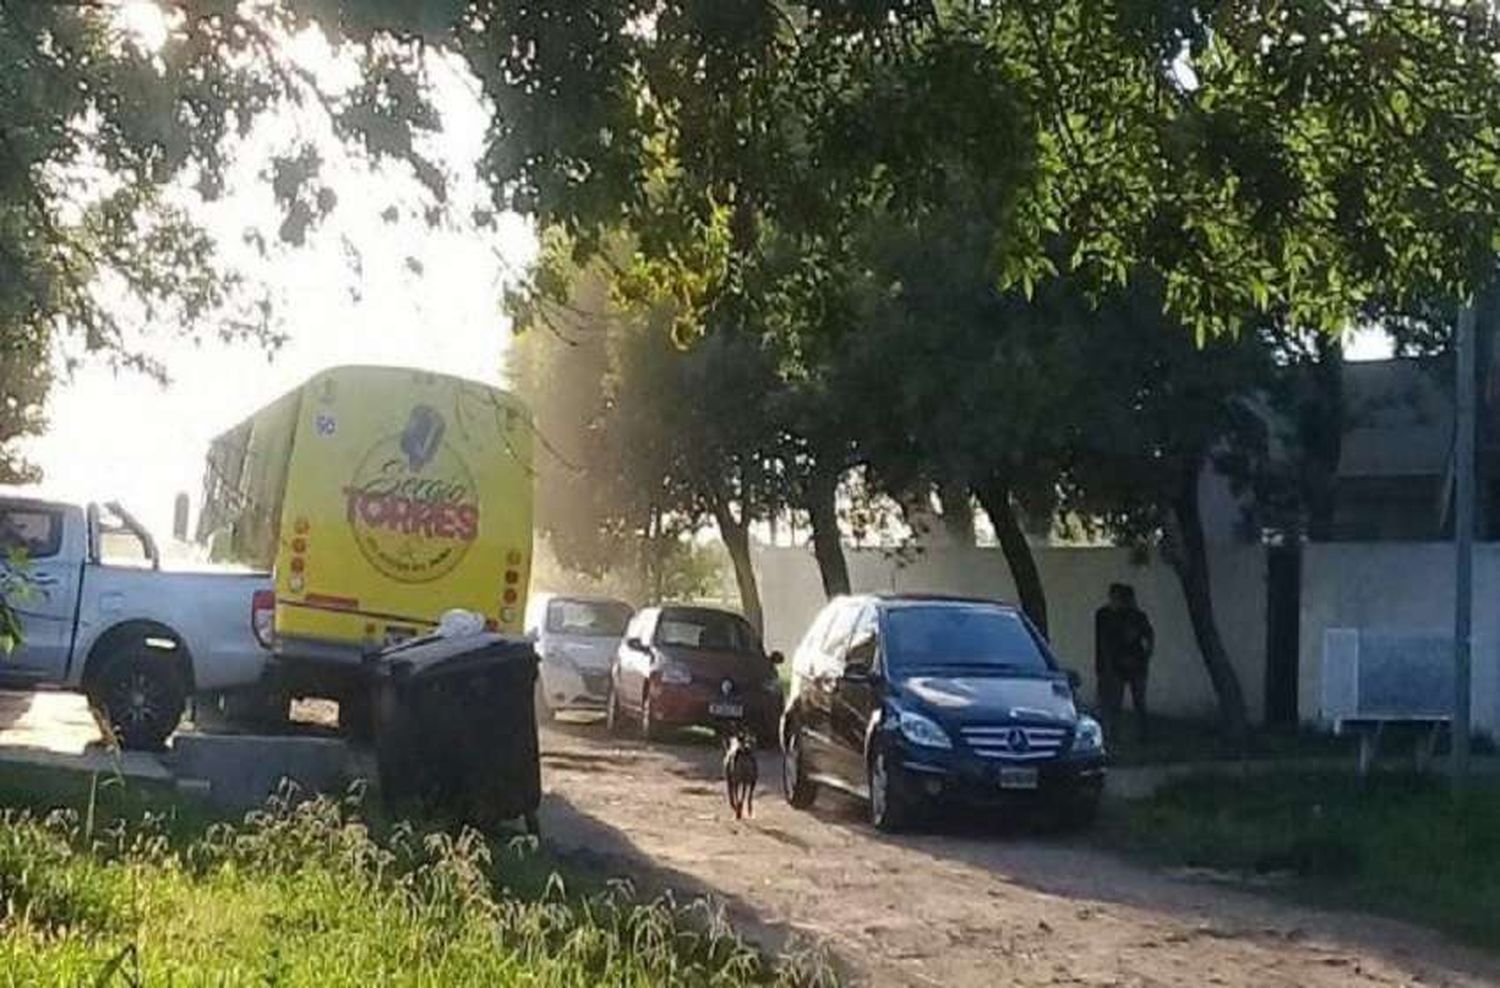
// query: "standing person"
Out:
[1123,643]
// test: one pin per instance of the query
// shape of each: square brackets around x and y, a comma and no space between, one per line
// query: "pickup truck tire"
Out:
[141,694]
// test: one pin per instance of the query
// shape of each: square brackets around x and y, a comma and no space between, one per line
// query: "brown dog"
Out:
[740,773]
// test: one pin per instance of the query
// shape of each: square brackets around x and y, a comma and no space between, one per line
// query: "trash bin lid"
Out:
[422,656]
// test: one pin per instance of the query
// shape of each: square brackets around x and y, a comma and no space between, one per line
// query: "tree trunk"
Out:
[1324,421]
[958,513]
[1191,563]
[828,548]
[994,497]
[736,536]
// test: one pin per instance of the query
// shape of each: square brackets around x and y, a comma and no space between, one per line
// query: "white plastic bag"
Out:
[459,623]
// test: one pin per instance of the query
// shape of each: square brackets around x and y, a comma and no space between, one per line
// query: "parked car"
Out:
[98,615]
[576,639]
[682,666]
[917,703]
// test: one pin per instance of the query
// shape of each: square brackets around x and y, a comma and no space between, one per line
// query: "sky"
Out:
[120,435]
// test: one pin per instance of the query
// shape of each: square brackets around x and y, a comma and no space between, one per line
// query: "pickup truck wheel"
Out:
[142,696]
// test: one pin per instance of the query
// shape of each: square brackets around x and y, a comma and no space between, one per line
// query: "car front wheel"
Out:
[889,811]
[800,791]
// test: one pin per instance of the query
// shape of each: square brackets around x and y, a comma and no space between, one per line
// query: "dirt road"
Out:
[990,909]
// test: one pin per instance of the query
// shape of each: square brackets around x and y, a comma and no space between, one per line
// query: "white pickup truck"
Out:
[99,615]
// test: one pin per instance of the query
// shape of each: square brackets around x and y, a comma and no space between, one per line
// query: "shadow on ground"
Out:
[1020,850]
[579,840]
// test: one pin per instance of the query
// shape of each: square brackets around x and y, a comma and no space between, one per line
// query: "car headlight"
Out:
[922,730]
[675,675]
[1088,736]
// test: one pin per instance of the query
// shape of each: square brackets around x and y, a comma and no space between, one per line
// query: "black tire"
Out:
[889,812]
[650,729]
[141,695]
[799,790]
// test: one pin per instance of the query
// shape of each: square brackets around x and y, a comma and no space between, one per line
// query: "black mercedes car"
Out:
[920,703]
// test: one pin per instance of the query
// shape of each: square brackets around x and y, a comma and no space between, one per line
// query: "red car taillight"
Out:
[263,616]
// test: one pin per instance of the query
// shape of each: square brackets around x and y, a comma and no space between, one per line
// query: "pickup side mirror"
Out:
[776,658]
[635,644]
[1075,681]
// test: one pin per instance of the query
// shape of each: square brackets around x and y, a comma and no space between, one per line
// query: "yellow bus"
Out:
[379,498]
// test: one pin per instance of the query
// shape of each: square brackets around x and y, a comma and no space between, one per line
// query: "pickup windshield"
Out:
[963,635]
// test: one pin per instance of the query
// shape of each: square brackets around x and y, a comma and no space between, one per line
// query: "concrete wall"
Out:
[1075,580]
[1398,587]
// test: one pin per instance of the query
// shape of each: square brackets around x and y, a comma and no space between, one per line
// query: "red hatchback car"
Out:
[681,666]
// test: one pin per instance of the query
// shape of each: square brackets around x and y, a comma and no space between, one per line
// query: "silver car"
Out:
[576,638]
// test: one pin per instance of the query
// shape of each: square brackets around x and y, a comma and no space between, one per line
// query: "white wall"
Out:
[1075,580]
[1398,586]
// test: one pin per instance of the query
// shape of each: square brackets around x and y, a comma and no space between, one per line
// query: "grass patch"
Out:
[1397,844]
[309,894]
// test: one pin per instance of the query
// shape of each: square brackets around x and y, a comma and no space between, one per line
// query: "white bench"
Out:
[1373,681]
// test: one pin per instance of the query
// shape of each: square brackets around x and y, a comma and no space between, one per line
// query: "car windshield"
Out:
[961,635]
[710,630]
[588,618]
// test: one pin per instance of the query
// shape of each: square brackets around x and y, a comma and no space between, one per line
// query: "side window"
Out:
[836,639]
[864,640]
[118,543]
[812,640]
[645,627]
[35,531]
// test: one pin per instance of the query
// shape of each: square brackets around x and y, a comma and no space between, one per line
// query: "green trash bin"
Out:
[455,728]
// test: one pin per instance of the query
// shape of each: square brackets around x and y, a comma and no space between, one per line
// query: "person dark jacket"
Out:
[1124,640]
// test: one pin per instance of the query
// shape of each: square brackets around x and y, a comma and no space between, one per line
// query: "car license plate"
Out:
[1018,778]
[727,709]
